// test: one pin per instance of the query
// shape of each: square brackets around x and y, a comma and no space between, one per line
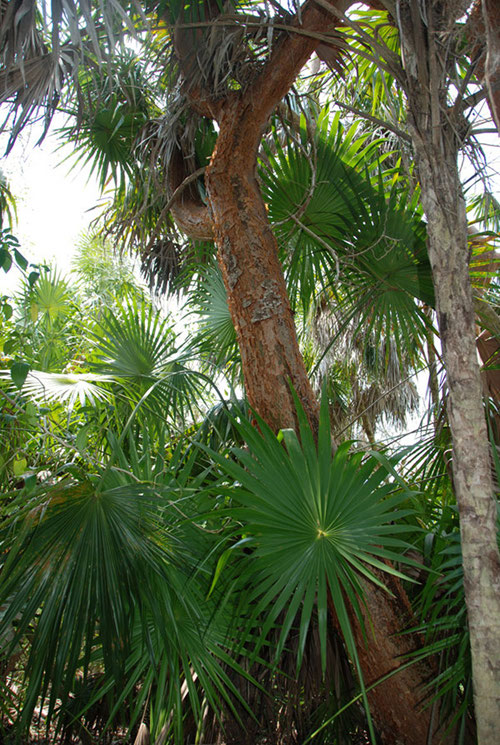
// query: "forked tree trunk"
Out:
[436,143]
[271,359]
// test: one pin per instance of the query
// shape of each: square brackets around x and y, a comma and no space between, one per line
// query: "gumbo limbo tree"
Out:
[235,70]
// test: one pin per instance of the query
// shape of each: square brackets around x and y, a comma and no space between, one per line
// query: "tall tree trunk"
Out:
[434,135]
[271,359]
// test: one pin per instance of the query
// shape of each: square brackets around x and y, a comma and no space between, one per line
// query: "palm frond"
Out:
[43,44]
[136,346]
[313,524]
[108,570]
[344,234]
[65,388]
[216,337]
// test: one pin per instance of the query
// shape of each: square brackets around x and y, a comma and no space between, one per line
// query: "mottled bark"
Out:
[256,291]
[436,148]
[247,248]
[189,212]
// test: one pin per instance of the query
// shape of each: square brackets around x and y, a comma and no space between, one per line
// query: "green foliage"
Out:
[7,203]
[335,207]
[110,576]
[106,276]
[312,526]
[215,339]
[135,346]
[114,106]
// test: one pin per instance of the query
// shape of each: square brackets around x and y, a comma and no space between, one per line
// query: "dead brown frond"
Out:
[162,262]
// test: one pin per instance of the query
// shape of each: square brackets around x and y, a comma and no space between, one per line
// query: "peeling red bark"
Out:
[258,301]
[271,359]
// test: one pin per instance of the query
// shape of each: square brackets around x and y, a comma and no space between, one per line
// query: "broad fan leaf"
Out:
[312,526]
[137,346]
[216,337]
[350,231]
[42,45]
[107,571]
[65,388]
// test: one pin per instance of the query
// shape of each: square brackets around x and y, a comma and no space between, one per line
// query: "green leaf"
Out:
[20,260]
[30,482]
[19,466]
[7,311]
[9,346]
[31,412]
[19,372]
[221,563]
[34,312]
[82,437]
[5,259]
[32,278]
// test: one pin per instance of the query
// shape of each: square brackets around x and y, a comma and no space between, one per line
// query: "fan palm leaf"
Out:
[42,45]
[350,229]
[65,388]
[136,346]
[111,570]
[111,107]
[312,526]
[216,337]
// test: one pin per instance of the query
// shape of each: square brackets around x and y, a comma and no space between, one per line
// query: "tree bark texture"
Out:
[271,358]
[436,149]
[400,706]
[491,14]
[256,291]
[483,34]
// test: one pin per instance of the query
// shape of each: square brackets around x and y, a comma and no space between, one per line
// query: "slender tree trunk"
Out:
[436,145]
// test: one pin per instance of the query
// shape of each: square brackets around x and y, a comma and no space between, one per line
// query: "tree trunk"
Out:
[256,291]
[436,148]
[397,704]
[271,359]
[259,305]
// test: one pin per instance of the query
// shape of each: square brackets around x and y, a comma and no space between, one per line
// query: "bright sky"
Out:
[54,205]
